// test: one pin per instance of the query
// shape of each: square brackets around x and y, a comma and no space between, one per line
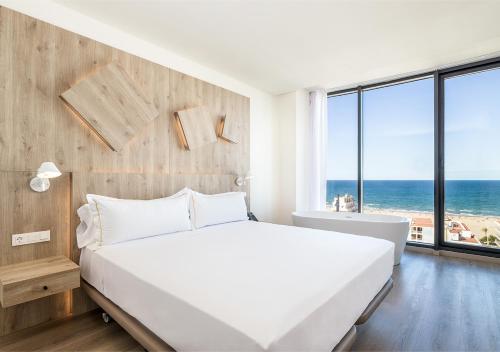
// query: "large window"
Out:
[342,165]
[429,150]
[472,159]
[398,154]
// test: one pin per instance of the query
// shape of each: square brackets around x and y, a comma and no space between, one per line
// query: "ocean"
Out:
[467,197]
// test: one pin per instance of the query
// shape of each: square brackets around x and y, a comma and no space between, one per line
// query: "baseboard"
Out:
[469,256]
[419,249]
[453,254]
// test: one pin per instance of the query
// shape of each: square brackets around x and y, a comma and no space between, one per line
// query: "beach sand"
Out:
[476,224]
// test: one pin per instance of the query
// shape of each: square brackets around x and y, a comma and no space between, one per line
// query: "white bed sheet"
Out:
[244,286]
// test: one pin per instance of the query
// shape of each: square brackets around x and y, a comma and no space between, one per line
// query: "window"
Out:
[472,159]
[398,154]
[342,164]
[429,150]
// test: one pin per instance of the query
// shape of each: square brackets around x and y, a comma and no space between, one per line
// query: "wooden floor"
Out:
[83,333]
[437,303]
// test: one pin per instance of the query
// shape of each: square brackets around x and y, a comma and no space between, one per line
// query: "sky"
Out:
[398,130]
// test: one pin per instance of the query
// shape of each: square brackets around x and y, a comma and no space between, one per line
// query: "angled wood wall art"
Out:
[194,128]
[111,105]
[228,129]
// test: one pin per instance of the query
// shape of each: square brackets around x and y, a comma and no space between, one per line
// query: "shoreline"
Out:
[417,213]
[369,209]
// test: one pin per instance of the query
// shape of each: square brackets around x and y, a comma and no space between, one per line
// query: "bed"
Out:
[245,286]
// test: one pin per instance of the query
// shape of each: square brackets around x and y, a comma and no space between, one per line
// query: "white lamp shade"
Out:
[241,180]
[48,170]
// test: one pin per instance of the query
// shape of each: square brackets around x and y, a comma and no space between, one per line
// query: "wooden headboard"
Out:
[140,186]
[39,62]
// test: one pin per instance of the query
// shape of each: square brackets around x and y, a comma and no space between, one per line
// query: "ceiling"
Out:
[281,46]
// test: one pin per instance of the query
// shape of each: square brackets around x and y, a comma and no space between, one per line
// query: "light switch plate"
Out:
[30,237]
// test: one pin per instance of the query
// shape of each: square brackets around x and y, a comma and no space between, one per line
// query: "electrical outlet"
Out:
[30,237]
[17,240]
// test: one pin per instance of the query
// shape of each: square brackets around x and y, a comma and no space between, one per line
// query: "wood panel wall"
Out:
[38,62]
[23,210]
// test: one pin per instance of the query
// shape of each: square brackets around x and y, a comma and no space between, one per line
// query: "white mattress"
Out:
[244,286]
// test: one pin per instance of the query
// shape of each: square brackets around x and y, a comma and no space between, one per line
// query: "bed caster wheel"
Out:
[106,318]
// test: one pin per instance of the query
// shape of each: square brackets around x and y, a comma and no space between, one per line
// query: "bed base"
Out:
[147,339]
[347,341]
[373,305]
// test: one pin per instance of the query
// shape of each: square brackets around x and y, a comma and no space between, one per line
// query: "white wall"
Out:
[284,112]
[291,115]
[262,159]
[261,103]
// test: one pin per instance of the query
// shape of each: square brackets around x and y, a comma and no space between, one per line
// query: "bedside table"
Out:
[35,279]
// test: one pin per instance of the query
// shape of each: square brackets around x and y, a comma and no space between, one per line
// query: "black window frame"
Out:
[439,77]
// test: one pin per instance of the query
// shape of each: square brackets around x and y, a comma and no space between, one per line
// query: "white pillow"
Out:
[86,232]
[185,191]
[217,208]
[125,220]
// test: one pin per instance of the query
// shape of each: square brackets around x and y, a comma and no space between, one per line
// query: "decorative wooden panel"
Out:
[39,62]
[216,158]
[195,128]
[111,104]
[228,129]
[22,210]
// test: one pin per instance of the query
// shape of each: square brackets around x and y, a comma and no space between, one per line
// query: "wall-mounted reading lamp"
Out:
[41,182]
[242,180]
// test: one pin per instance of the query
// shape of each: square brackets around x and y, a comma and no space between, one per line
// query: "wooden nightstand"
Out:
[35,279]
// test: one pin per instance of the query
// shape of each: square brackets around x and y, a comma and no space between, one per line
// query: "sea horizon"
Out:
[462,197]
